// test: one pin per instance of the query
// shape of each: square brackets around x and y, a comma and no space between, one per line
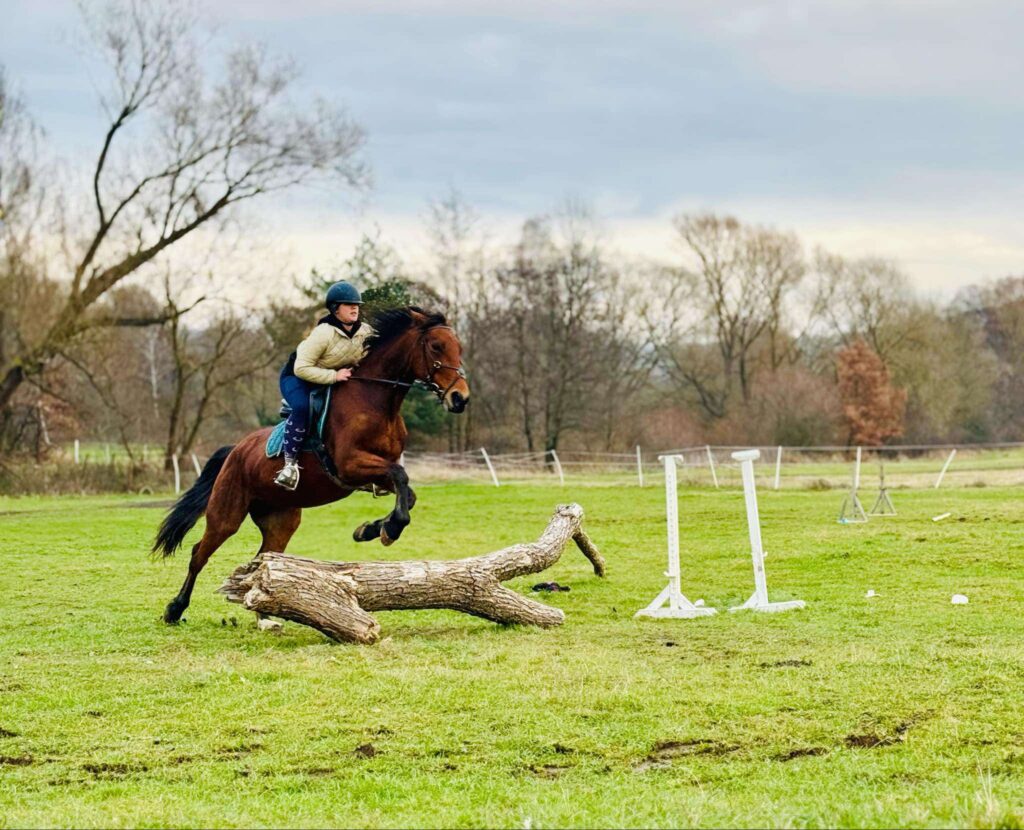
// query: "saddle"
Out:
[319,403]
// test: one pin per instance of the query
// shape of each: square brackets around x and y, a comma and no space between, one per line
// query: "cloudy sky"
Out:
[890,128]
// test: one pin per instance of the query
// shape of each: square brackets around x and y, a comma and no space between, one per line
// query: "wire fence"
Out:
[96,467]
[969,465]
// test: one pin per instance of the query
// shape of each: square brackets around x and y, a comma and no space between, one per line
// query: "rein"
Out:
[428,382]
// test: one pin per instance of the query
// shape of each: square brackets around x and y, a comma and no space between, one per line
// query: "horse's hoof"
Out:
[357,534]
[384,538]
[172,615]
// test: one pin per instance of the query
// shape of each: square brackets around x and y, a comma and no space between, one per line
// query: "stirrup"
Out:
[289,476]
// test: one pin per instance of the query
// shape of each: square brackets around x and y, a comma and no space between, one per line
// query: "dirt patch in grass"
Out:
[17,760]
[548,770]
[317,771]
[875,740]
[101,770]
[795,663]
[7,733]
[665,752]
[801,752]
[238,751]
[366,751]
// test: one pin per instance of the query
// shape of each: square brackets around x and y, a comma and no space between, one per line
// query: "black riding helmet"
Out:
[342,293]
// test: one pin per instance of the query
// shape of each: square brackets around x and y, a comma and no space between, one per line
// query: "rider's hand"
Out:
[343,374]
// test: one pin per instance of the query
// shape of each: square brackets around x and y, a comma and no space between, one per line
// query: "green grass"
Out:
[111,718]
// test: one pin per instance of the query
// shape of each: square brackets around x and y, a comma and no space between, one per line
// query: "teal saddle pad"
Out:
[319,403]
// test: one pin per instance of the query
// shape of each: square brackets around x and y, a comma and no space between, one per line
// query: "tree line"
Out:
[116,322]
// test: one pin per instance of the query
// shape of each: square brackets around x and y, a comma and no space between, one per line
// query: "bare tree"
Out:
[178,153]
[870,299]
[460,274]
[718,313]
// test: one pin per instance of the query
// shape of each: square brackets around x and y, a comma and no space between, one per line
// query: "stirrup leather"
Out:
[289,476]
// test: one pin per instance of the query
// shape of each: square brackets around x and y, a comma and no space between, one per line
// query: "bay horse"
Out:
[364,435]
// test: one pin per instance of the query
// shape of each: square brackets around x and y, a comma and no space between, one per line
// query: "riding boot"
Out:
[289,475]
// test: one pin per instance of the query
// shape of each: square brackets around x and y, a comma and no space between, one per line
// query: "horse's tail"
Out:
[189,507]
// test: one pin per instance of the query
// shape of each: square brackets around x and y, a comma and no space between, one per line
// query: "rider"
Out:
[337,343]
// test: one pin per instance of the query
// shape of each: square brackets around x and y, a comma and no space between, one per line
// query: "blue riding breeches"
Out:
[296,391]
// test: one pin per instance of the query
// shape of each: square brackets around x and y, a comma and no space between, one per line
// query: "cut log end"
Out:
[336,598]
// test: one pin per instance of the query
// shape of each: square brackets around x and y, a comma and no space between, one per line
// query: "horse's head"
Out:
[422,346]
[440,365]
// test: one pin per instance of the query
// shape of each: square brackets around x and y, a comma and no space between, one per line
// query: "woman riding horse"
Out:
[325,357]
[364,436]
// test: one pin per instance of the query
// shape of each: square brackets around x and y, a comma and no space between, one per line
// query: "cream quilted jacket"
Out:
[327,349]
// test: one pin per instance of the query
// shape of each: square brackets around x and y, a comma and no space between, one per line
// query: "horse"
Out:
[364,436]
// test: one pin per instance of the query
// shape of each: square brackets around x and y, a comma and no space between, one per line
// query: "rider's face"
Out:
[347,312]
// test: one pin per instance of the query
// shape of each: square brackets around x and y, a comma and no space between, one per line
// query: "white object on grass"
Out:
[267,624]
[870,594]
[959,599]
[941,516]
[759,600]
[670,602]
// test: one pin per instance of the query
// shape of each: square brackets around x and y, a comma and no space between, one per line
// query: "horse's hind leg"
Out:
[277,527]
[224,516]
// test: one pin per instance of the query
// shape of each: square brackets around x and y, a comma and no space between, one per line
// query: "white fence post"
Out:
[177,474]
[856,472]
[711,463]
[639,466]
[945,467]
[778,468]
[671,602]
[759,600]
[490,466]
[195,463]
[558,467]
[76,451]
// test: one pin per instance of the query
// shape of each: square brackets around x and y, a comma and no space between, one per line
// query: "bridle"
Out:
[434,366]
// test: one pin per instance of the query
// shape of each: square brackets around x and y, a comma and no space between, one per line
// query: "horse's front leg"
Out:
[389,476]
[399,518]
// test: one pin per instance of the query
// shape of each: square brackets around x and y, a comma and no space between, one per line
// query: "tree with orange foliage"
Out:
[872,407]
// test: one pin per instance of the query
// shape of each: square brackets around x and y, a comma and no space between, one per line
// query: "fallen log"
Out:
[336,598]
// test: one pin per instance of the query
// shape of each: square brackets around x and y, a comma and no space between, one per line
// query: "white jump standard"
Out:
[759,600]
[671,603]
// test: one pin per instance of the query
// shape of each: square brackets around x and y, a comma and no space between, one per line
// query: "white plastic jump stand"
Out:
[670,603]
[852,511]
[883,504]
[759,600]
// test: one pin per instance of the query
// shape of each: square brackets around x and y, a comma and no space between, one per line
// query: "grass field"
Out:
[898,710]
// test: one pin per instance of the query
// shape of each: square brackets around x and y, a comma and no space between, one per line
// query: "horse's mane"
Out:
[389,323]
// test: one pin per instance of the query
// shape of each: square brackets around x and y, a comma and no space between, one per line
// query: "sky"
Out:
[870,128]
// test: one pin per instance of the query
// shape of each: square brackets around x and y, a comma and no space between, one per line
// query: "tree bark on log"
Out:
[336,598]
